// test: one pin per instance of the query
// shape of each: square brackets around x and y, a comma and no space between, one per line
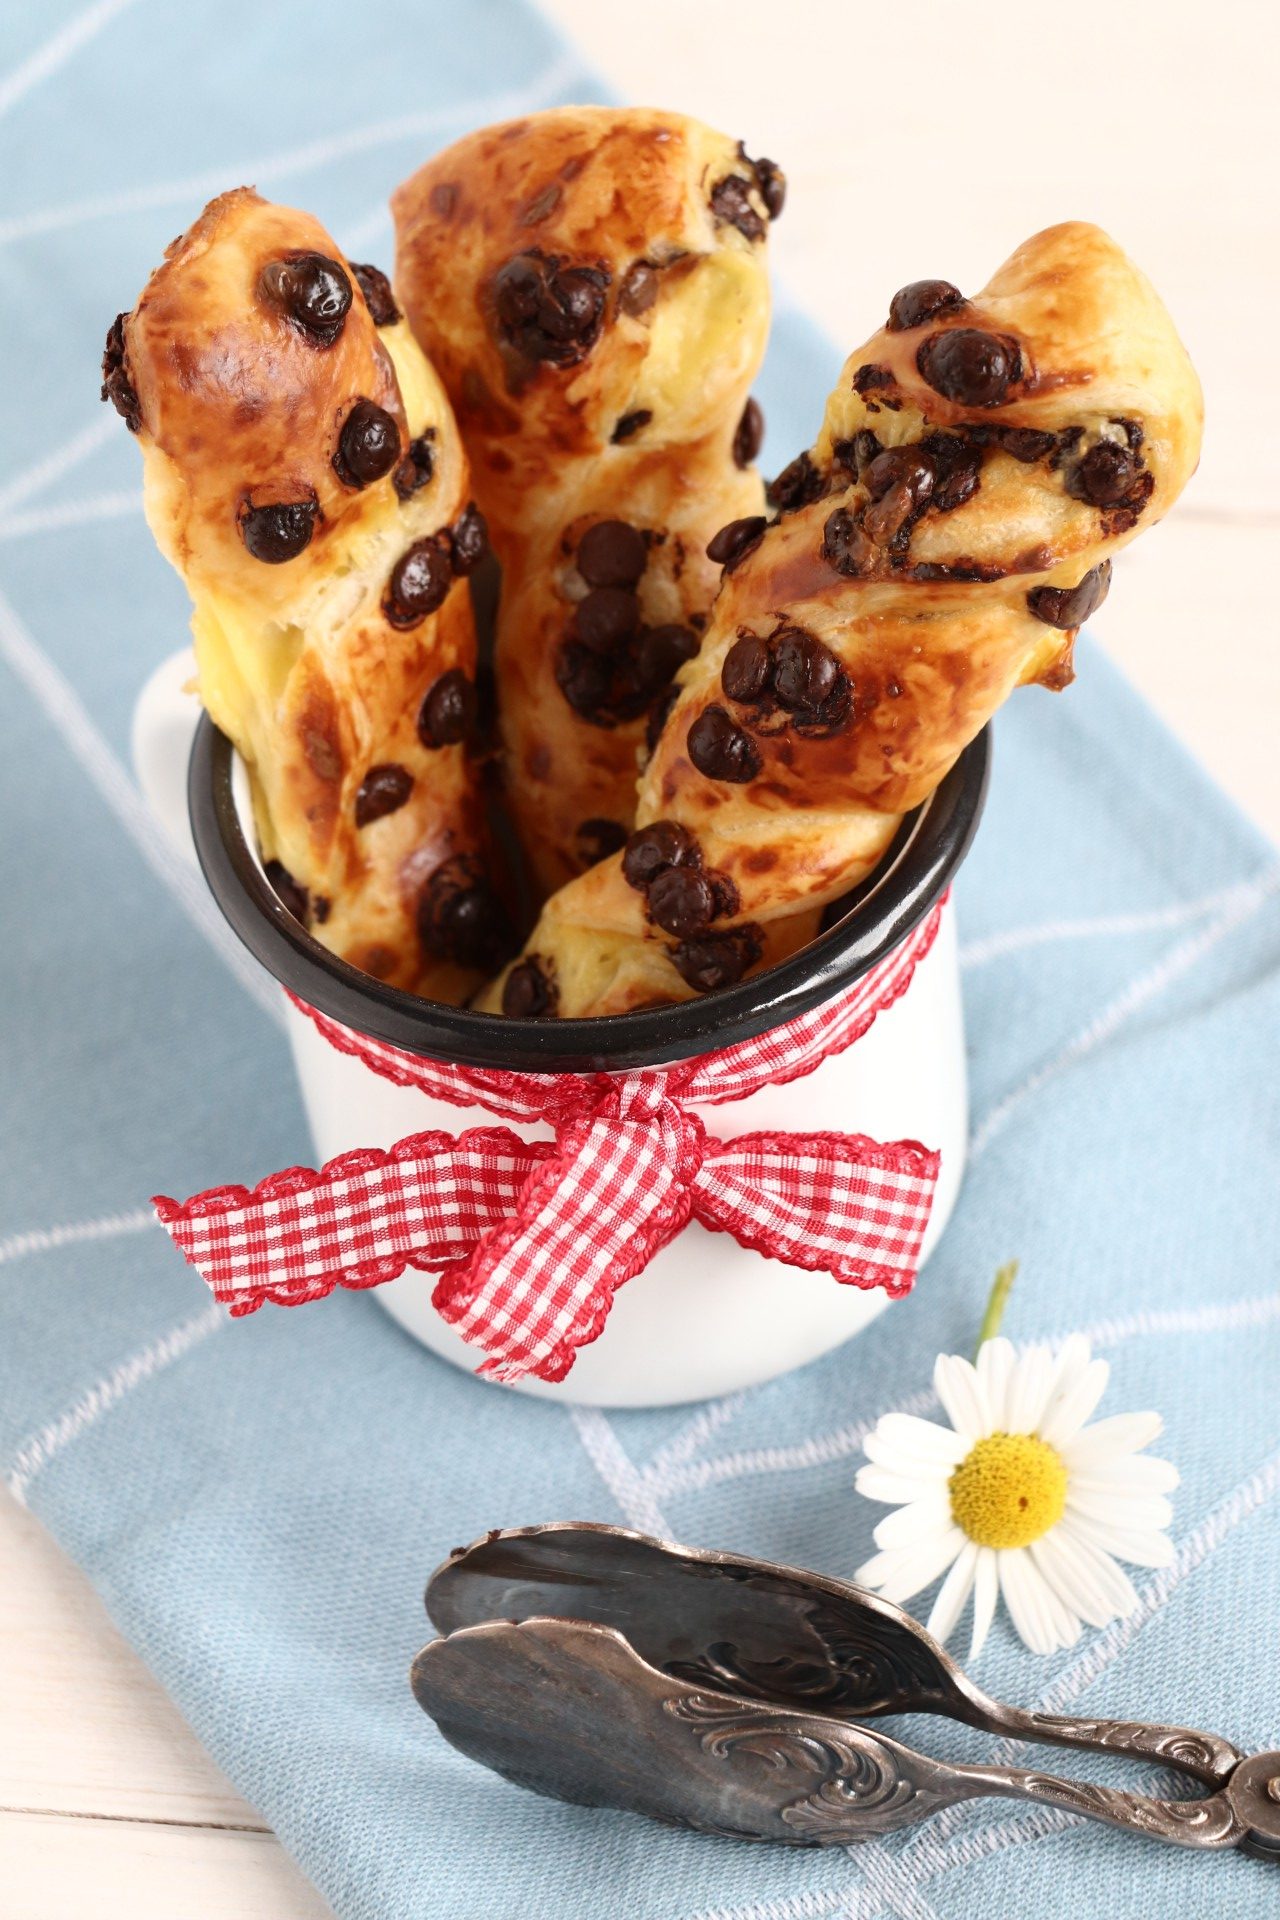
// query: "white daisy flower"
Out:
[1018,1496]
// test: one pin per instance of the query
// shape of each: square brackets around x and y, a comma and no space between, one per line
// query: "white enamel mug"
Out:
[707,1316]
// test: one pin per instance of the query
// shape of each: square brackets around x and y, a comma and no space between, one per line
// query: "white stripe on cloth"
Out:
[45,1239]
[53,466]
[54,52]
[72,513]
[1113,926]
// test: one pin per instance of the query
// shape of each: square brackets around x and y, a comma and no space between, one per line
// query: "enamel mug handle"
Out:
[164,724]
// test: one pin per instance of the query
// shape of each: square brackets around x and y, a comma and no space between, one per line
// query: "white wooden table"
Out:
[916,142]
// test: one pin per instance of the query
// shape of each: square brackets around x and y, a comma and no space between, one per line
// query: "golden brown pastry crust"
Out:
[315,673]
[595,298]
[879,626]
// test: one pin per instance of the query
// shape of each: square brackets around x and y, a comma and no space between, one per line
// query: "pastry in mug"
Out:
[981,461]
[304,474]
[591,285]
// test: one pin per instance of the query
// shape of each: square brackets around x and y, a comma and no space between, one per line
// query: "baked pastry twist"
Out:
[304,474]
[979,463]
[591,285]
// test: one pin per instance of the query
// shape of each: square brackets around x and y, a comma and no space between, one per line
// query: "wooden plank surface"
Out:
[108,1805]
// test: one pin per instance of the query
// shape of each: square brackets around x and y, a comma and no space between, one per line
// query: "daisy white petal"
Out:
[1122,1433]
[986,1591]
[953,1593]
[962,1398]
[920,1520]
[1064,1621]
[1140,1546]
[895,1489]
[903,1571]
[1131,1473]
[1073,1576]
[1117,1509]
[1069,1363]
[1112,1580]
[994,1367]
[1029,1390]
[1022,1597]
[900,1439]
[1070,1408]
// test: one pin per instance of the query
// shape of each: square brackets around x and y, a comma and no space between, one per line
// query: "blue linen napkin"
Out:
[259,1502]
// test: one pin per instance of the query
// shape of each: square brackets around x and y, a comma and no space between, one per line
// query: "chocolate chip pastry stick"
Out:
[980,462]
[591,284]
[305,476]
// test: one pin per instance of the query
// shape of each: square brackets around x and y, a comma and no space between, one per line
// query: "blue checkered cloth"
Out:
[260,1501]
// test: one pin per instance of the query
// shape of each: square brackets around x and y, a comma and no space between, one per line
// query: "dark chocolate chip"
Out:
[312,290]
[845,546]
[368,446]
[529,992]
[745,673]
[461,918]
[957,470]
[542,205]
[807,676]
[899,466]
[734,542]
[1025,443]
[718,959]
[378,297]
[612,553]
[383,790]
[911,306]
[630,424]
[639,288]
[583,679]
[1105,476]
[419,582]
[418,465]
[732,207]
[547,311]
[448,711]
[279,532]
[116,386]
[772,182]
[470,537]
[606,619]
[870,379]
[291,895]
[682,901]
[321,909]
[748,434]
[654,849]
[973,368]
[898,509]
[596,839]
[721,749]
[659,654]
[798,483]
[1133,431]
[1070,606]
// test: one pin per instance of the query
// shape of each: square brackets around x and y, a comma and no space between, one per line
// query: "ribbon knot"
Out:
[532,1239]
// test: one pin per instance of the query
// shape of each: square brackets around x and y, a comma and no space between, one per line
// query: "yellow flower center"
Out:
[1008,1490]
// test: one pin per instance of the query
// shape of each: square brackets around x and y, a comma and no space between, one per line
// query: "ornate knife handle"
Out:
[1204,1756]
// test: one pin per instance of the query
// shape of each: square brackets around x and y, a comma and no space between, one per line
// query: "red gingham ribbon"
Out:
[532,1239]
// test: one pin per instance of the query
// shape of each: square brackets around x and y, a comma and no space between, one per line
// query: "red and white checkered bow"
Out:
[532,1238]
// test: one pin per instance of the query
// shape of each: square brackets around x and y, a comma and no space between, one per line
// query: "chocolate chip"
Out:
[911,306]
[542,205]
[291,895]
[682,901]
[745,673]
[419,582]
[583,679]
[798,483]
[547,311]
[312,290]
[383,790]
[116,386]
[606,619]
[732,207]
[748,434]
[448,710]
[957,470]
[368,446]
[1105,475]
[722,750]
[630,424]
[529,992]
[639,288]
[1069,606]
[718,959]
[856,454]
[654,849]
[659,654]
[734,542]
[772,182]
[378,297]
[1025,443]
[899,466]
[612,554]
[1132,429]
[596,839]
[808,679]
[870,379]
[418,465]
[895,512]
[973,368]
[280,532]
[845,546]
[320,909]
[470,537]
[461,918]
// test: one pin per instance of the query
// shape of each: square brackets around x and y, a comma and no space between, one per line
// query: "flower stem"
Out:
[1001,1288]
